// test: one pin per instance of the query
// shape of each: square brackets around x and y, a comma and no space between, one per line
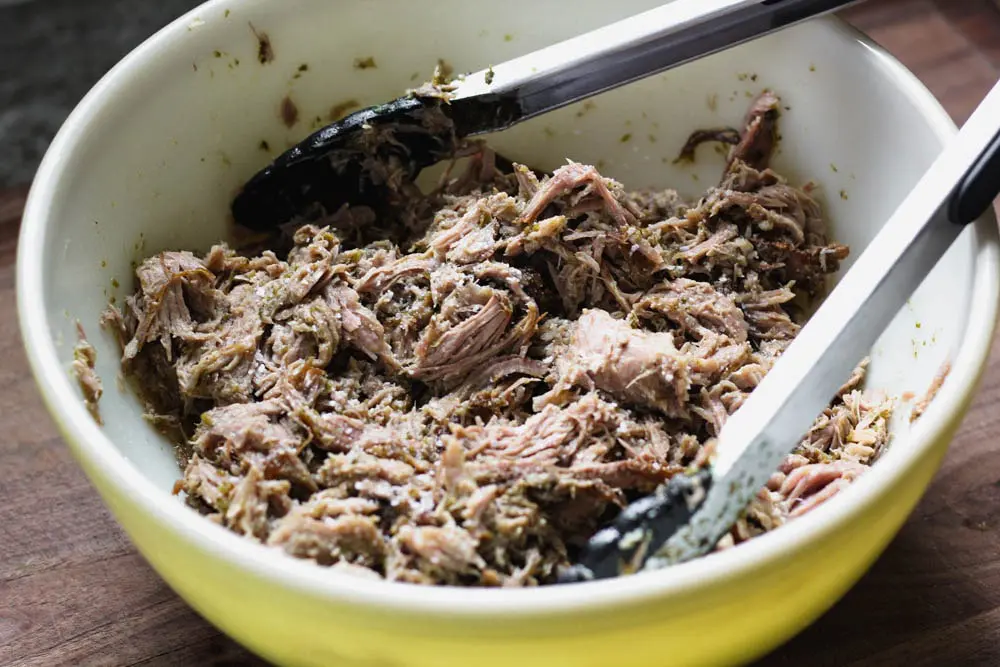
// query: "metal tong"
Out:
[689,514]
[328,168]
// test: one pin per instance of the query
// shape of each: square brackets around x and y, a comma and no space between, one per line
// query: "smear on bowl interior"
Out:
[463,395]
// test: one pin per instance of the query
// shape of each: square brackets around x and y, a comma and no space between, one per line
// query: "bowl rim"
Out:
[90,444]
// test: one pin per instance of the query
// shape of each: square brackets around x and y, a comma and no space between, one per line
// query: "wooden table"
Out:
[74,591]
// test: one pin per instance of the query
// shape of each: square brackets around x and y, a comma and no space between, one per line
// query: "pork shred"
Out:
[84,359]
[467,406]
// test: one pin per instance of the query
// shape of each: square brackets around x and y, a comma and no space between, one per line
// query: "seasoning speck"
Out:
[289,112]
[812,68]
[225,14]
[304,67]
[365,63]
[587,106]
[489,76]
[264,146]
[843,195]
[217,53]
[625,137]
[508,37]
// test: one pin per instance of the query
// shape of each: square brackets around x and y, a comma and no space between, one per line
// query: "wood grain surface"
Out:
[74,591]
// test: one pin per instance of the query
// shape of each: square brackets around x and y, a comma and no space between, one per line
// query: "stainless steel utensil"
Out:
[688,515]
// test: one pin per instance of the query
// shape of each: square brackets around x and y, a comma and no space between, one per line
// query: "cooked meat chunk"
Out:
[84,358]
[637,367]
[467,399]
[752,145]
[760,132]
[721,135]
[922,404]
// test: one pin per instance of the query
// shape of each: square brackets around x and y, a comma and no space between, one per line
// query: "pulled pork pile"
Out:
[468,407]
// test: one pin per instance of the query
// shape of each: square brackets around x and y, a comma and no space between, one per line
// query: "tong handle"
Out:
[957,189]
[980,186]
[614,55]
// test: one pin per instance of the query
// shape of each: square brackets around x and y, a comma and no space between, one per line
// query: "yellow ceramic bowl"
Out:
[150,158]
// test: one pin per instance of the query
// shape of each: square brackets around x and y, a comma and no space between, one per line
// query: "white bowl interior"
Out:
[156,168]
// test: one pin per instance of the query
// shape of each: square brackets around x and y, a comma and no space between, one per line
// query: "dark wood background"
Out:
[74,591]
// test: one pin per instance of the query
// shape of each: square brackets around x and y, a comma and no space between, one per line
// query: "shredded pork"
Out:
[84,359]
[467,405]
